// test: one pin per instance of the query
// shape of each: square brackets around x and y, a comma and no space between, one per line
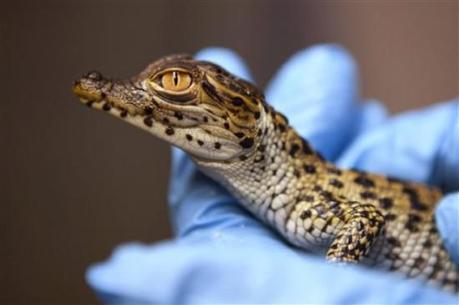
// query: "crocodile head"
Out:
[195,105]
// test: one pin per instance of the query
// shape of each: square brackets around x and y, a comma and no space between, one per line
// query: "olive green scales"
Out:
[235,137]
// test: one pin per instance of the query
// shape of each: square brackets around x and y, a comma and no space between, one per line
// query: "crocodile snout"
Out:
[89,87]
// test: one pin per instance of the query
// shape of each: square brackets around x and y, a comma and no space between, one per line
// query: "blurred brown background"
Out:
[76,183]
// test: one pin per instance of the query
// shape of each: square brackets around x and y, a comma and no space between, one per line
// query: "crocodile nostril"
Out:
[93,75]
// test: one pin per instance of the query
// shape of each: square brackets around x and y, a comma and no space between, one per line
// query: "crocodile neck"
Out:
[275,174]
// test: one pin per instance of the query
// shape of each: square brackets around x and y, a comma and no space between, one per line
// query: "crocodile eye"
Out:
[175,80]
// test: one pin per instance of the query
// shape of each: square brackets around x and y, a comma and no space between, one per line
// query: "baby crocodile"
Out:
[225,125]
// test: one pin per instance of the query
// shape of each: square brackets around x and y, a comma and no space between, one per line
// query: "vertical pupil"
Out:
[175,77]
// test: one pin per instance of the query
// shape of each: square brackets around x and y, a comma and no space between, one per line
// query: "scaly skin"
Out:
[236,138]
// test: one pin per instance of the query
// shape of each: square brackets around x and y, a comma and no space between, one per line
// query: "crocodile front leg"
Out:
[363,223]
[347,229]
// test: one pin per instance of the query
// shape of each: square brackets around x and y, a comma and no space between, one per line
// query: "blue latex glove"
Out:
[223,255]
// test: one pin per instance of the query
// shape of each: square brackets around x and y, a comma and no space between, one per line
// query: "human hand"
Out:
[223,255]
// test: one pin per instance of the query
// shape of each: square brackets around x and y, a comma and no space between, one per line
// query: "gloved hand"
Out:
[223,255]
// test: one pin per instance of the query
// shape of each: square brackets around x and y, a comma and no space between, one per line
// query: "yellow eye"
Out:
[175,80]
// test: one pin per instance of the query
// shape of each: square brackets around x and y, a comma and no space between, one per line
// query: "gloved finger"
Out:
[447,219]
[245,272]
[417,145]
[196,201]
[446,170]
[317,89]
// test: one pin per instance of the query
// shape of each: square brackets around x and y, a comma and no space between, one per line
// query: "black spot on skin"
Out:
[412,226]
[226,125]
[308,198]
[392,256]
[166,120]
[393,241]
[364,214]
[266,108]
[123,113]
[309,168]
[217,145]
[305,214]
[327,195]
[364,181]
[386,203]
[178,115]
[237,101]
[414,199]
[333,204]
[368,195]
[296,173]
[148,121]
[336,183]
[307,150]
[437,268]
[256,115]
[189,137]
[418,205]
[261,148]
[242,158]
[239,134]
[169,131]
[415,218]
[89,104]
[252,100]
[293,149]
[317,188]
[205,119]
[148,110]
[410,191]
[106,107]
[428,244]
[348,240]
[281,127]
[362,247]
[103,95]
[246,143]
[259,132]
[390,217]
[201,143]
[334,170]
[274,172]
[419,262]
